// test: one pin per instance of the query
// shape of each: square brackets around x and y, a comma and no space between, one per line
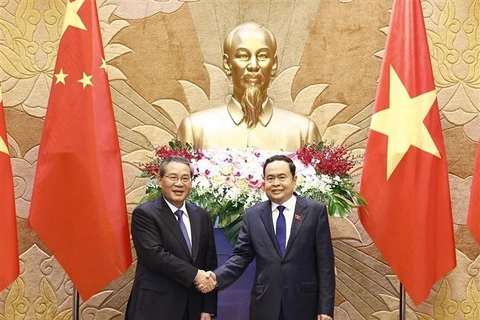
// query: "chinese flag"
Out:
[8,223]
[405,177]
[78,205]
[473,221]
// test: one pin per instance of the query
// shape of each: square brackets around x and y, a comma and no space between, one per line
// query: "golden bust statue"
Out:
[249,119]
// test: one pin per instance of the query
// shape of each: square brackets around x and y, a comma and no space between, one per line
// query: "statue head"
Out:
[250,60]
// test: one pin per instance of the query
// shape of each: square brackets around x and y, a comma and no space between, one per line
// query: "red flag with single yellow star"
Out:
[405,177]
[8,222]
[473,221]
[78,205]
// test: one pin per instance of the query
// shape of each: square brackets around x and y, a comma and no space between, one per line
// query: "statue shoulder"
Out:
[193,127]
[294,116]
[208,113]
[308,128]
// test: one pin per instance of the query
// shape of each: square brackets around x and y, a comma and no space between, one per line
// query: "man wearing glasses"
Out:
[174,244]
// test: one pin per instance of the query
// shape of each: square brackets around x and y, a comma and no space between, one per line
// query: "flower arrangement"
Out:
[227,181]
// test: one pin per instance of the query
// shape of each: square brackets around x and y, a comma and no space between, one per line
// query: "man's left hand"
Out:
[324,317]
[205,316]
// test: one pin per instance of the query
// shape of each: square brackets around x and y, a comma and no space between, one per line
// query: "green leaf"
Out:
[153,194]
[232,230]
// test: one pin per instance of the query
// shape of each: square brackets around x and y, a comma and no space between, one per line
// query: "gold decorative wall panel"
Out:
[165,60]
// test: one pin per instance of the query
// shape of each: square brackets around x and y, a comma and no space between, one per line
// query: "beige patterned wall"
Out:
[165,62]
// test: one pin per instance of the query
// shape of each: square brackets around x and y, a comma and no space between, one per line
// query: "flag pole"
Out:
[402,302]
[76,304]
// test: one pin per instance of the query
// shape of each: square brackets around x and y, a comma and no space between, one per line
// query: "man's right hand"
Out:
[212,276]
[205,281]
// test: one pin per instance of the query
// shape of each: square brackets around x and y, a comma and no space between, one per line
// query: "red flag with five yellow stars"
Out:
[405,177]
[473,221]
[8,222]
[78,205]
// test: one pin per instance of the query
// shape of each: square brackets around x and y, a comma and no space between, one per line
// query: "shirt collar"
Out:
[235,110]
[289,204]
[173,208]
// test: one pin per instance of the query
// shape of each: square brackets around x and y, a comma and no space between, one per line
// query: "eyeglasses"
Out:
[174,178]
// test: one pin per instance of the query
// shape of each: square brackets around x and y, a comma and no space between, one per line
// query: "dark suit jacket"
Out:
[303,282]
[165,268]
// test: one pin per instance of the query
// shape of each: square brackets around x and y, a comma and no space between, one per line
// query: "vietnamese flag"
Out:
[405,176]
[78,205]
[9,267]
[473,221]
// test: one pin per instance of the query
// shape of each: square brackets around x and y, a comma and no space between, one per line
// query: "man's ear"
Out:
[274,66]
[226,65]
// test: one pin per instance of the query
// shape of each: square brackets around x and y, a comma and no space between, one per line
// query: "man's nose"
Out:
[253,64]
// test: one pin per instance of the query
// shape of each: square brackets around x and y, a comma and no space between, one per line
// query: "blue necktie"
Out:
[281,229]
[179,214]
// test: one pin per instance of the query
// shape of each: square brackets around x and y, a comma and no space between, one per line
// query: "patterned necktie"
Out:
[281,229]
[179,214]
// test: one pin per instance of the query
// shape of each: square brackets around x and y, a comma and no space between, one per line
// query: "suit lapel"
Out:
[266,217]
[171,222]
[298,218]
[195,226]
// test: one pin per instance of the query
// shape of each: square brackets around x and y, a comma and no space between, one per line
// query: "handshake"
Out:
[205,281]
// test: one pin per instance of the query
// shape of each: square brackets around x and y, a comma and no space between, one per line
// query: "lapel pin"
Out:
[298,217]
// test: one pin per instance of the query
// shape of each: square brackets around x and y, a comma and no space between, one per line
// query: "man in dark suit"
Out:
[289,237]
[174,244]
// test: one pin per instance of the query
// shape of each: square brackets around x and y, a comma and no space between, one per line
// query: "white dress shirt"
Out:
[185,217]
[288,213]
